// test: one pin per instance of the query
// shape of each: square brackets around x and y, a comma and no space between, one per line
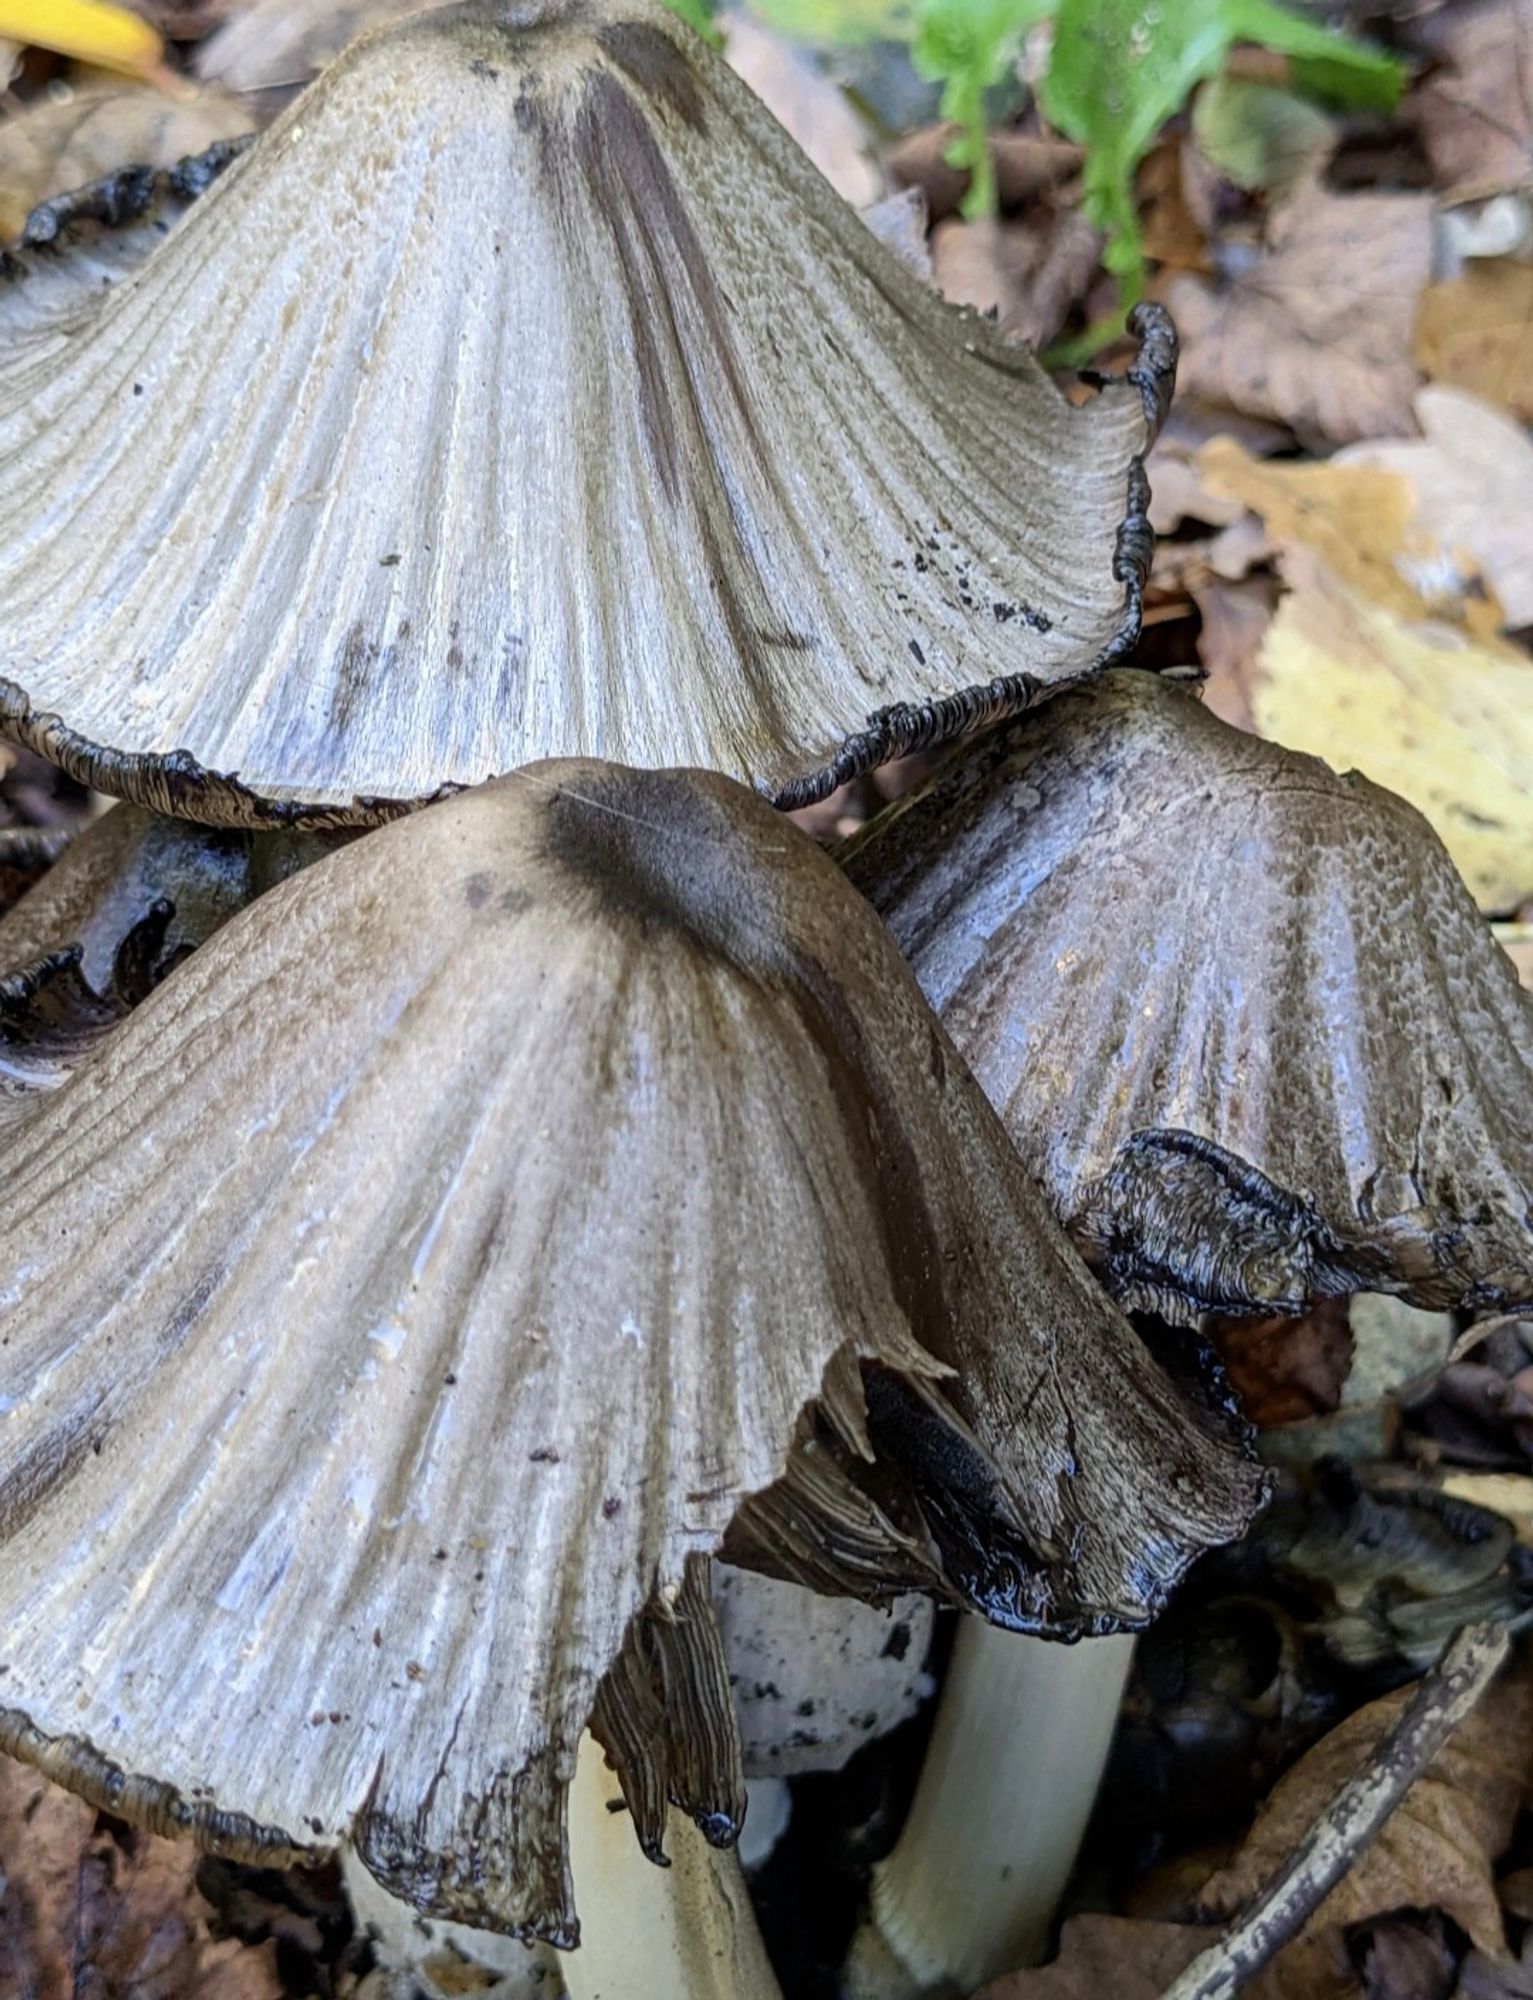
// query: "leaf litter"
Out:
[1346,496]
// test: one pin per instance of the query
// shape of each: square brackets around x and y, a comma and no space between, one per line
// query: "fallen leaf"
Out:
[1476,112]
[899,221]
[56,145]
[1235,619]
[1316,330]
[1359,519]
[90,1908]
[1026,167]
[92,31]
[1477,332]
[1436,1851]
[1284,1369]
[1509,1494]
[1028,275]
[808,104]
[1405,1958]
[1482,1978]
[1471,479]
[271,44]
[1127,1957]
[1516,940]
[1174,215]
[1445,722]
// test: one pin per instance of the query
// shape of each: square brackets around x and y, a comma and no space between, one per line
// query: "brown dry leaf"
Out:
[53,147]
[1127,1957]
[1482,1978]
[1477,332]
[1476,113]
[85,1910]
[1359,520]
[1175,231]
[1026,167]
[270,45]
[1235,619]
[1317,332]
[1471,476]
[1516,940]
[1437,1850]
[1443,721]
[1028,275]
[809,105]
[1285,1369]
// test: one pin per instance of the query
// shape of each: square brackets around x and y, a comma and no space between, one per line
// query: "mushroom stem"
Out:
[1022,1734]
[686,1932]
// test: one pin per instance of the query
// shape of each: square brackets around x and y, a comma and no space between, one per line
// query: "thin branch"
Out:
[1337,1838]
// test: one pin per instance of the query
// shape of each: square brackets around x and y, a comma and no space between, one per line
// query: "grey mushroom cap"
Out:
[600,1194]
[1238,1012]
[523,391]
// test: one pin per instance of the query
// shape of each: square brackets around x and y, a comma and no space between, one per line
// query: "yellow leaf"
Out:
[1509,1494]
[1358,519]
[1477,332]
[89,30]
[1443,721]
[1516,940]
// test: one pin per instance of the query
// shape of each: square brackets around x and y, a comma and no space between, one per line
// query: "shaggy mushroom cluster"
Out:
[473,1164]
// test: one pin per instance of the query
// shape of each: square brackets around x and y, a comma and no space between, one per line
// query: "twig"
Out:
[1353,1817]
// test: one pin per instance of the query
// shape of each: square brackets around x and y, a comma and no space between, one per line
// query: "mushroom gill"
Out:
[1237,1011]
[524,391]
[428,1277]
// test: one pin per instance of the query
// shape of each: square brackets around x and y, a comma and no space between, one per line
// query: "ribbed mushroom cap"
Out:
[524,391]
[1239,1012]
[422,1281]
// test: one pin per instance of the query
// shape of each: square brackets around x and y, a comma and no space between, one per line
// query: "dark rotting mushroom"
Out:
[598,1181]
[557,406]
[1237,1011]
[128,860]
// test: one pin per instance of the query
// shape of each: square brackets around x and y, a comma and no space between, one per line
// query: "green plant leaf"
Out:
[969,46]
[1324,64]
[1121,68]
[838,23]
[698,14]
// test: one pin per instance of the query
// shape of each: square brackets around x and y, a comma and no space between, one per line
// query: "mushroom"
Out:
[385,1364]
[78,245]
[1005,1793]
[51,1017]
[816,1678]
[556,406]
[1238,1012]
[26,855]
[112,875]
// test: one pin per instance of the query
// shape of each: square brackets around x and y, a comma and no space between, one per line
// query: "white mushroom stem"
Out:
[686,1932]
[971,1889]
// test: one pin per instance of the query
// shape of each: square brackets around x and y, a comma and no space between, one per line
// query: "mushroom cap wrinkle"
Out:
[414,1291]
[1238,1011]
[523,391]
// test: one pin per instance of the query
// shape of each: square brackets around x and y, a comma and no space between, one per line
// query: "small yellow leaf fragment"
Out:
[91,31]
[1443,721]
